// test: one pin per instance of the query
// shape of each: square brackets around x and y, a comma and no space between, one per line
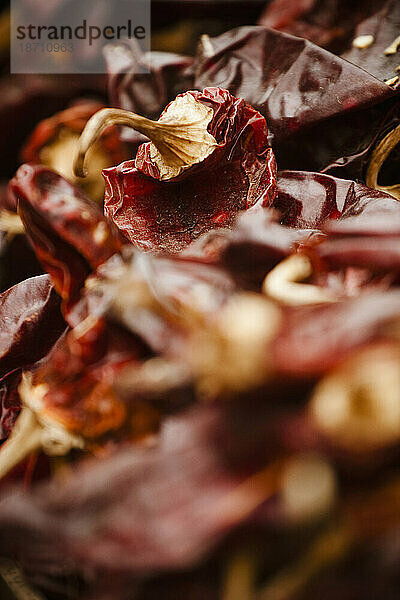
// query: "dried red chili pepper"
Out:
[365,235]
[162,491]
[317,200]
[69,233]
[53,143]
[68,401]
[31,323]
[209,158]
[73,389]
[312,99]
[170,293]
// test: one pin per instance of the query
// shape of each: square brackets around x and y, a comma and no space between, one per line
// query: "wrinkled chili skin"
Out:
[312,99]
[321,201]
[69,233]
[168,215]
[308,207]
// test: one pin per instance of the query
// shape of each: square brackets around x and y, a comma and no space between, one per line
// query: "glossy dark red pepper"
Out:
[320,108]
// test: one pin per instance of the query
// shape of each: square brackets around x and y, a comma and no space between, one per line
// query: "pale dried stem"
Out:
[282,283]
[379,155]
[25,438]
[180,144]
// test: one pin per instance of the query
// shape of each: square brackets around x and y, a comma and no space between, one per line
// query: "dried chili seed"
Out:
[380,58]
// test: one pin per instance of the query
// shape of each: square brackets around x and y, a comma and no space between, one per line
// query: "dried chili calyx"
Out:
[175,146]
[209,158]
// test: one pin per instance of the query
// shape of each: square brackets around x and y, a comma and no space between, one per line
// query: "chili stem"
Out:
[282,283]
[379,155]
[180,144]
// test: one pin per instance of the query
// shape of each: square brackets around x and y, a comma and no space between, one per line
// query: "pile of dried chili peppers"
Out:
[200,317]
